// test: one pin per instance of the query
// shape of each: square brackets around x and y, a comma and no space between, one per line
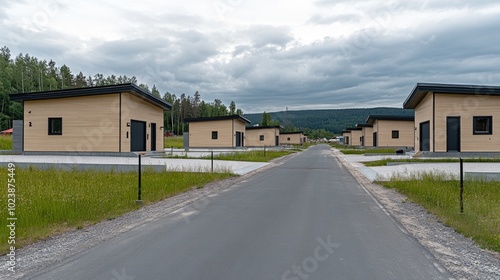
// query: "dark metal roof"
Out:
[364,125]
[421,89]
[263,127]
[345,131]
[221,118]
[293,132]
[353,128]
[76,92]
[371,118]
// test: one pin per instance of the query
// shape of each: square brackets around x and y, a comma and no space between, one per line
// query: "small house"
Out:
[117,118]
[392,131]
[455,118]
[217,132]
[366,134]
[263,136]
[292,138]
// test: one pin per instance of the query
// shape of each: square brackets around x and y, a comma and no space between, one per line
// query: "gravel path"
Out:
[460,255]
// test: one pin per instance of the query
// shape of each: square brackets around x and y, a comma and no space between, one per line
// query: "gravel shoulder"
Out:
[460,255]
[36,256]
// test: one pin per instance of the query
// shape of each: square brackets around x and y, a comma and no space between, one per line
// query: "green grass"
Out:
[481,218]
[383,162]
[173,141]
[256,156]
[53,201]
[368,151]
[5,142]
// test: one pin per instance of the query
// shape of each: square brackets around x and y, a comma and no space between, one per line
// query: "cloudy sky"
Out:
[267,55]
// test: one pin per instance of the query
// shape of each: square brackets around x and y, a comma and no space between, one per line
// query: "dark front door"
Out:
[238,139]
[362,140]
[153,137]
[277,141]
[425,136]
[374,139]
[137,136]
[453,134]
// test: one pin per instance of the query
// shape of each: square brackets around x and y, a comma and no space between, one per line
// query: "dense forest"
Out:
[333,120]
[25,73]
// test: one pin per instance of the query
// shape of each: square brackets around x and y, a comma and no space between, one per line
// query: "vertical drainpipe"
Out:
[232,133]
[433,122]
[120,123]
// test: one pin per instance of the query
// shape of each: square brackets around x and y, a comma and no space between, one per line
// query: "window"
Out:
[483,125]
[215,135]
[55,126]
[288,139]
[395,134]
[261,137]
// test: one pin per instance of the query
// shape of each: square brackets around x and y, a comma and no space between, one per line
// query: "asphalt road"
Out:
[305,219]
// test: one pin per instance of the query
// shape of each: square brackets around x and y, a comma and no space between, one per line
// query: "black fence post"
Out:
[461,185]
[212,160]
[139,198]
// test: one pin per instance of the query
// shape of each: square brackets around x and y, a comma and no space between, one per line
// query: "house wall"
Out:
[384,130]
[200,133]
[423,113]
[466,107]
[135,108]
[367,133]
[347,138]
[253,137]
[89,124]
[295,139]
[356,138]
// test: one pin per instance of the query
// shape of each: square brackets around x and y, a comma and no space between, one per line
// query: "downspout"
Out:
[433,122]
[120,124]
[232,133]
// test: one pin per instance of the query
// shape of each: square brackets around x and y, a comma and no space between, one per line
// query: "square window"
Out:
[483,125]
[55,126]
[288,139]
[261,137]
[395,134]
[215,135]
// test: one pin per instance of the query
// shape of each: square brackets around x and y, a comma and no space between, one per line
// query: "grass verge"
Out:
[53,201]
[256,156]
[6,142]
[383,162]
[481,218]
[173,141]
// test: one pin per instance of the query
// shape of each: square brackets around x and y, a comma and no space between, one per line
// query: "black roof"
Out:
[293,132]
[220,118]
[75,92]
[371,118]
[421,89]
[263,127]
[361,125]
[353,128]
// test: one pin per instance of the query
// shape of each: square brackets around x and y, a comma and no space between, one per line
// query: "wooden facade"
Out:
[292,138]
[456,118]
[217,132]
[95,119]
[260,136]
[392,131]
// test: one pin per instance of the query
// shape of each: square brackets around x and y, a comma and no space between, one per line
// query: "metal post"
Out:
[212,157]
[139,198]
[461,185]
[171,150]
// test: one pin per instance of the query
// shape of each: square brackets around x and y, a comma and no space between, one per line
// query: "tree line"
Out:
[25,73]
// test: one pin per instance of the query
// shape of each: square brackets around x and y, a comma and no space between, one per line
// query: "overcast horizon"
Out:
[267,56]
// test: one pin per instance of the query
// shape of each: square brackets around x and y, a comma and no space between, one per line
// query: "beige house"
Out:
[217,132]
[292,138]
[455,118]
[118,118]
[392,131]
[366,134]
[353,136]
[263,136]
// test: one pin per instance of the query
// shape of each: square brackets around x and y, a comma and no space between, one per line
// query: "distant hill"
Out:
[333,120]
